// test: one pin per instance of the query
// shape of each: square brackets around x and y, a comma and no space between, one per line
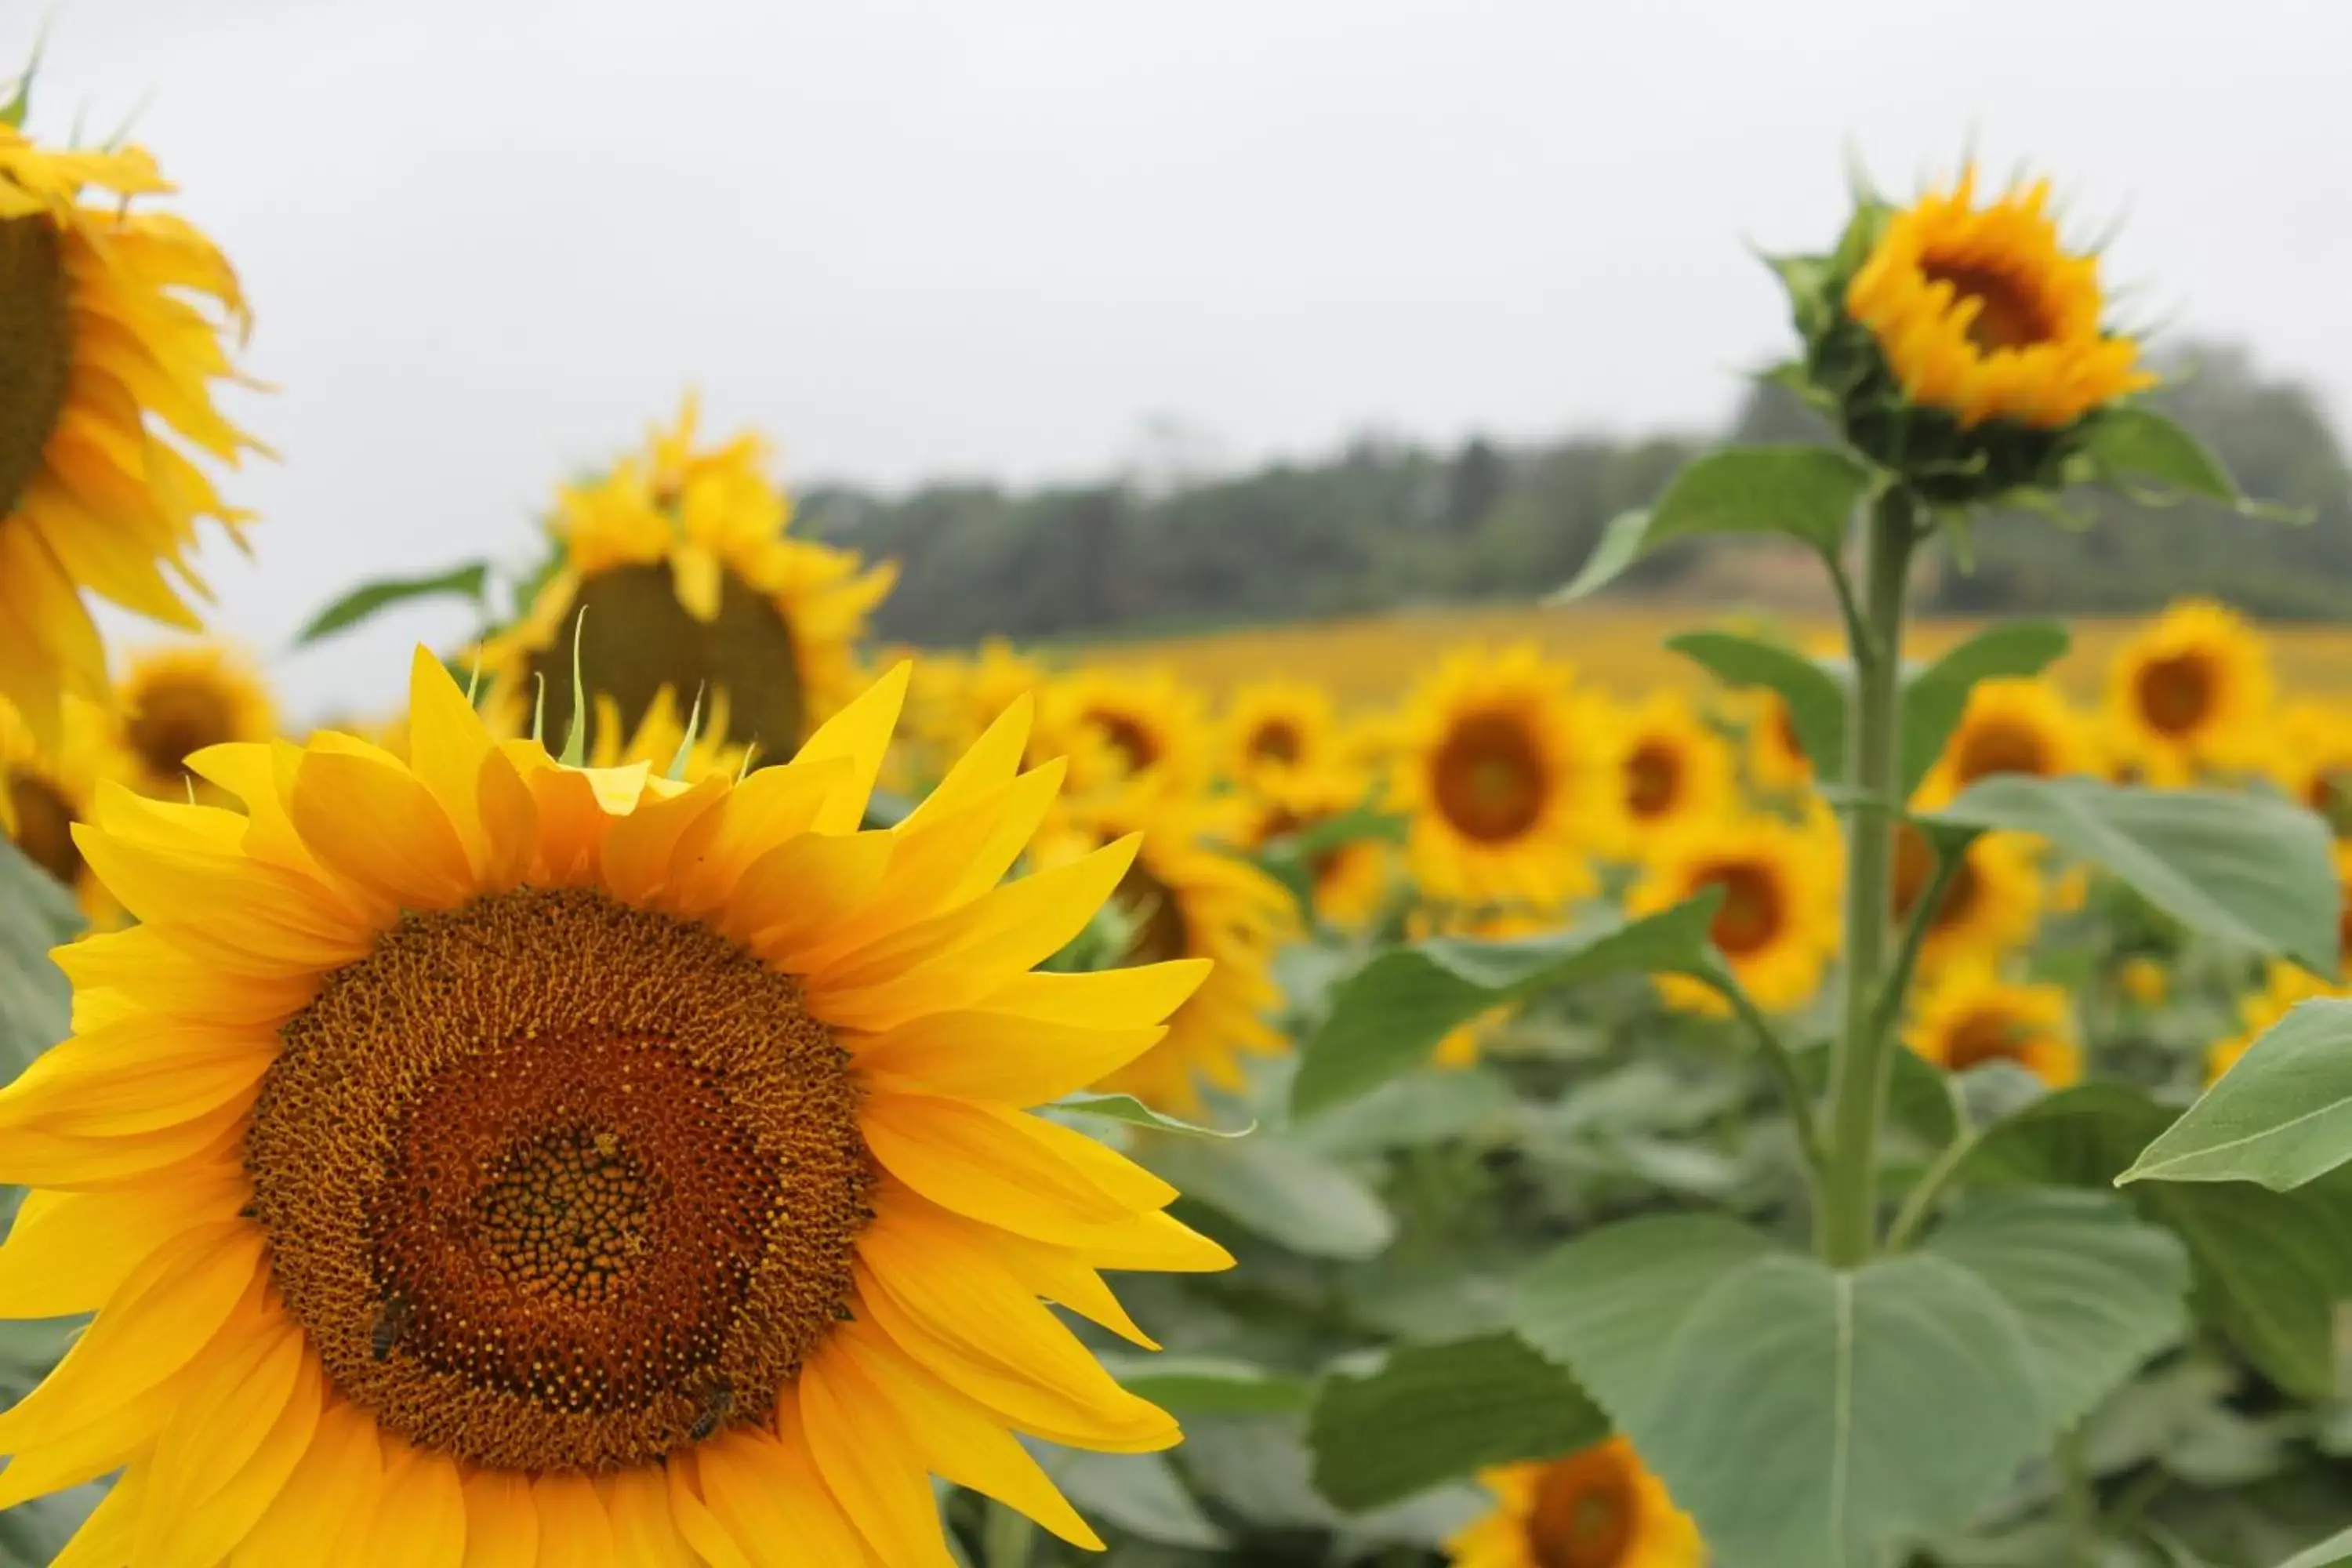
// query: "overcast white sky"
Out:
[489,239]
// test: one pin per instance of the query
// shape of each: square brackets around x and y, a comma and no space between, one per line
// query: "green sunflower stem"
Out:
[1861,1071]
[1007,1537]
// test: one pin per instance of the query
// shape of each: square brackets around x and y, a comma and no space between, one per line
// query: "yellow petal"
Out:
[446,746]
[244,1421]
[765,1491]
[144,962]
[36,1157]
[987,767]
[423,1512]
[135,1077]
[870,1464]
[711,1539]
[246,916]
[501,1523]
[105,1538]
[797,890]
[1005,1167]
[571,1524]
[1001,1056]
[638,850]
[67,1252]
[860,732]
[772,806]
[377,823]
[1108,998]
[338,1474]
[645,1532]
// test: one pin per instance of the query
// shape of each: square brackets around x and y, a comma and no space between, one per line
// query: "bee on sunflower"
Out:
[179,699]
[1777,927]
[681,561]
[117,321]
[1968,1015]
[474,1158]
[44,792]
[1597,1508]
[2191,693]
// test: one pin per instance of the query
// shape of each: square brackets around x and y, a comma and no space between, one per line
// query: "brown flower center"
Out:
[1915,868]
[176,715]
[2000,747]
[1137,746]
[2176,693]
[36,347]
[1275,741]
[1754,908]
[1489,778]
[1654,779]
[557,1184]
[1162,932]
[45,820]
[1987,1035]
[638,639]
[1584,1515]
[2008,312]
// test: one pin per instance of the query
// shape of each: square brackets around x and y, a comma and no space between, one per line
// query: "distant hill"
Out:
[1385,523]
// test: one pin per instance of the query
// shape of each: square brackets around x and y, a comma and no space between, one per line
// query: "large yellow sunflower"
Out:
[1276,728]
[43,793]
[1983,312]
[1505,768]
[110,357]
[1127,731]
[177,700]
[680,559]
[1351,879]
[1990,907]
[1969,1015]
[1672,771]
[1778,925]
[2191,693]
[2012,726]
[474,1160]
[1597,1508]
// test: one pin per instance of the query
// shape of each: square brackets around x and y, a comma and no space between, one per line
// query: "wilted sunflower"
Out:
[1127,731]
[1672,770]
[2189,694]
[1275,729]
[1778,925]
[1989,907]
[1598,1508]
[680,559]
[2312,760]
[475,1159]
[1969,1016]
[1189,896]
[1350,879]
[2011,725]
[112,335]
[177,700]
[2285,986]
[1505,770]
[43,793]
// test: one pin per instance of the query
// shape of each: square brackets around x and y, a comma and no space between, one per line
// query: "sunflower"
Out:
[473,1157]
[1505,769]
[1127,731]
[1277,728]
[2190,693]
[1597,1508]
[113,337]
[680,561]
[2313,759]
[43,793]
[177,700]
[1778,925]
[1189,897]
[1776,757]
[2285,986]
[2144,981]
[1673,770]
[687,745]
[1350,879]
[956,699]
[1983,314]
[1969,1016]
[2011,725]
[1990,905]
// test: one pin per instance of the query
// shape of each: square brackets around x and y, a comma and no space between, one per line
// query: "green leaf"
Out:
[470,582]
[2098,1291]
[36,915]
[1781,1401]
[1435,1412]
[1815,697]
[1127,1109]
[2281,1117]
[1934,700]
[1283,1192]
[1388,1016]
[1805,492]
[1208,1385]
[2247,869]
[2332,1552]
[1138,1493]
[2133,439]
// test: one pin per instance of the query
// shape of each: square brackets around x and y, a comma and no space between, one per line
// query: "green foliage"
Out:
[2137,442]
[1126,1108]
[2332,1552]
[1816,698]
[1934,700]
[1207,1385]
[1806,493]
[470,582]
[36,915]
[2280,1117]
[1283,1192]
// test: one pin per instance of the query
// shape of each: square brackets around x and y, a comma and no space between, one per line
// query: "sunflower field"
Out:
[678,1090]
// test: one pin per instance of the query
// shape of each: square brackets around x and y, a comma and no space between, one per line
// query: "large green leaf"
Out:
[1806,1416]
[36,915]
[2131,441]
[1283,1192]
[1815,698]
[1201,1386]
[1934,700]
[1388,1016]
[2247,869]
[1804,493]
[1435,1412]
[2098,1291]
[2333,1552]
[469,582]
[2281,1117]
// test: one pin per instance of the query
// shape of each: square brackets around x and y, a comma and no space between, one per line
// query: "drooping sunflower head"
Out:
[2285,986]
[1597,1508]
[179,699]
[2192,692]
[1672,770]
[44,792]
[1777,925]
[1969,1016]
[467,1149]
[674,569]
[114,322]
[2011,725]
[1990,905]
[1504,767]
[1127,732]
[1349,879]
[1276,728]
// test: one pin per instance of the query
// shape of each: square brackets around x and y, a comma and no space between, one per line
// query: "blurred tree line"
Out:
[1389,522]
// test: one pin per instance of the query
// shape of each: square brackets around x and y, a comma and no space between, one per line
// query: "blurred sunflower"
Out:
[1126,730]
[2011,725]
[1776,757]
[476,1159]
[1505,770]
[680,559]
[113,324]
[1277,728]
[956,699]
[1990,907]
[179,699]
[1597,1508]
[2189,694]
[1673,770]
[1778,925]
[2283,986]
[2146,982]
[1982,313]
[1349,879]
[2312,760]
[1968,1016]
[43,793]
[1465,1044]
